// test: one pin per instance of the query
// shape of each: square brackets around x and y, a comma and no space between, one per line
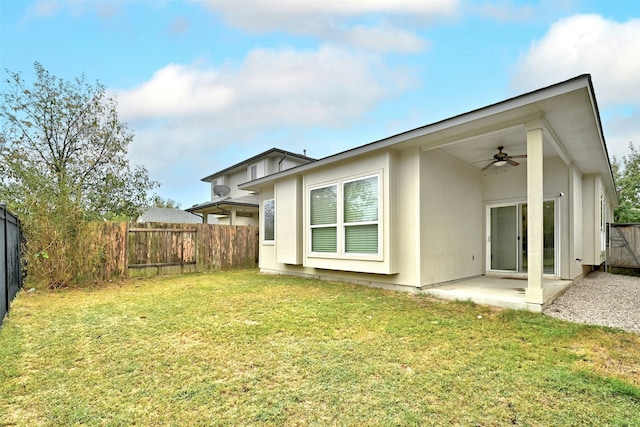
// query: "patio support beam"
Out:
[555,143]
[535,195]
[232,217]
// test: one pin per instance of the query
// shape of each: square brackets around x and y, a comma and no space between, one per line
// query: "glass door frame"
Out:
[519,256]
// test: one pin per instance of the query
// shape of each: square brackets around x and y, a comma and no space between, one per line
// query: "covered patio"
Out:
[499,291]
[228,209]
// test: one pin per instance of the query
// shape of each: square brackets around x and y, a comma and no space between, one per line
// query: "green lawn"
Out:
[242,348]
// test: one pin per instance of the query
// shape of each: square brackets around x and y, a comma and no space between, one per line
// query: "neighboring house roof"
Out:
[259,156]
[222,206]
[169,215]
[579,121]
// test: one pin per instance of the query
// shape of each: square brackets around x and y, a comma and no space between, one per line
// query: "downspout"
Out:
[280,162]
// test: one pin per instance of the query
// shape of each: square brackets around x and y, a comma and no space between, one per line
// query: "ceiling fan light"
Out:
[500,163]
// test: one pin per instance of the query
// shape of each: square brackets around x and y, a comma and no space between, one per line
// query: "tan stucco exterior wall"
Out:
[451,219]
[594,217]
[396,268]
[240,220]
[381,165]
[433,220]
[576,201]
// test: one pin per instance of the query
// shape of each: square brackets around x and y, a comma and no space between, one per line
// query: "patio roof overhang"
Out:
[225,207]
[567,111]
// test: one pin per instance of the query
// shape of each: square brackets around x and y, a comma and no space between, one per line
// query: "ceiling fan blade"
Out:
[512,162]
[519,156]
[483,161]
[488,166]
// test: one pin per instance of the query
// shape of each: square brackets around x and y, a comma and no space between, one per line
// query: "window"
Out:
[349,220]
[361,216]
[253,172]
[324,215]
[269,220]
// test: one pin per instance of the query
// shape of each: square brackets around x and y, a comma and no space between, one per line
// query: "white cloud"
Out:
[46,9]
[184,114]
[323,87]
[331,20]
[580,44]
[105,9]
[261,14]
[621,130]
[383,38]
[179,26]
[505,11]
[176,91]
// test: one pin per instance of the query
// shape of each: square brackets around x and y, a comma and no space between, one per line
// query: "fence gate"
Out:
[154,250]
[10,251]
[623,248]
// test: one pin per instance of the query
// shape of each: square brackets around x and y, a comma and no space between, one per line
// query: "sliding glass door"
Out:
[507,242]
[504,238]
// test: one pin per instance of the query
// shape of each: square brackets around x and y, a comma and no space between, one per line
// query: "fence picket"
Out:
[148,249]
[623,246]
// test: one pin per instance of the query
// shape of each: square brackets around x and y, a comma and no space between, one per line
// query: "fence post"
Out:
[10,259]
[4,264]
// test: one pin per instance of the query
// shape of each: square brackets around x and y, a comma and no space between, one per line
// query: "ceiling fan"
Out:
[501,158]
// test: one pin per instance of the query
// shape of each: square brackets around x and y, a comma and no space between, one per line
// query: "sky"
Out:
[205,84]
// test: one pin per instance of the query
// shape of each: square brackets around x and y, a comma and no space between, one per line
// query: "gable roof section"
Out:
[258,157]
[169,215]
[250,202]
[529,106]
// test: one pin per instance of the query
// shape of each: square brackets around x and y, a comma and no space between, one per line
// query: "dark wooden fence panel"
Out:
[623,249]
[155,249]
[150,249]
[111,237]
[11,272]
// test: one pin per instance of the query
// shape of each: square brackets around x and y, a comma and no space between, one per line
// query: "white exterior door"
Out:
[507,237]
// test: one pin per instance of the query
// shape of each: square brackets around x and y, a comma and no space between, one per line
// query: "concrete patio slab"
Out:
[507,292]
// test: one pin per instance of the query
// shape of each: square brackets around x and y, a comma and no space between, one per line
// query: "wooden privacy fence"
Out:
[146,249]
[623,246]
[11,272]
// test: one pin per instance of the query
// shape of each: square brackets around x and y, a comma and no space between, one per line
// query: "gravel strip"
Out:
[601,299]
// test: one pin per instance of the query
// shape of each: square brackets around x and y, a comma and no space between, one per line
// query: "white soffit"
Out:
[567,107]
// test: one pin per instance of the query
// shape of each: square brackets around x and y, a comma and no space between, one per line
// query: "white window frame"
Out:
[340,225]
[328,225]
[557,240]
[264,216]
[377,222]
[252,168]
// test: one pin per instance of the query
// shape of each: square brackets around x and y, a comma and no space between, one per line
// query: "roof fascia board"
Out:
[576,83]
[596,114]
[255,158]
[221,203]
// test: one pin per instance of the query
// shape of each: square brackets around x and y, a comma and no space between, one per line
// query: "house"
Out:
[171,215]
[453,201]
[233,206]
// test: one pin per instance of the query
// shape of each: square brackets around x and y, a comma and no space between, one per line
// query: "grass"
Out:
[241,348]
